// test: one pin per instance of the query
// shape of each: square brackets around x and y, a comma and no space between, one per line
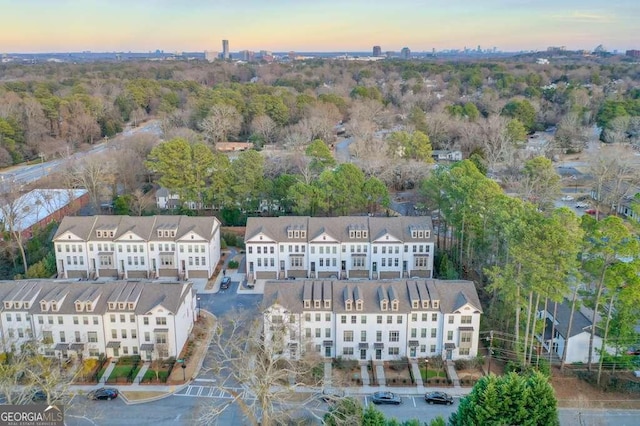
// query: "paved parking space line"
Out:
[211,390]
[414,401]
[221,395]
[366,401]
[195,389]
[200,390]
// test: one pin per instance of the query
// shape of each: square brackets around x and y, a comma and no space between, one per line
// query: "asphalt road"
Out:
[26,174]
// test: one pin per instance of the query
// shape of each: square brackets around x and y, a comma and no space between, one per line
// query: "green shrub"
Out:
[233,264]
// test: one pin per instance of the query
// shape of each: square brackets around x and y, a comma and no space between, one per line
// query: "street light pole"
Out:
[426,367]
[184,367]
[198,305]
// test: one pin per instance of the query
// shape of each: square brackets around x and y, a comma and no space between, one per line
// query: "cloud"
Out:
[586,17]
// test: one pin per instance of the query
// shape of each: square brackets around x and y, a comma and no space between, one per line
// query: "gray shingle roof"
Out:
[148,295]
[452,295]
[145,227]
[339,227]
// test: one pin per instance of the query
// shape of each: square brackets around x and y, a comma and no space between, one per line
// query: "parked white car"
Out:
[581,205]
[567,198]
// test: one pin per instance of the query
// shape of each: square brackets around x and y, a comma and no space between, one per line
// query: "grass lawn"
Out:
[432,373]
[123,371]
[151,375]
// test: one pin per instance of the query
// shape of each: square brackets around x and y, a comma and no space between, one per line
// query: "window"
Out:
[450,335]
[434,317]
[347,336]
[145,320]
[399,319]
[318,332]
[378,336]
[60,320]
[394,351]
[161,338]
[464,351]
[363,336]
[358,262]
[75,320]
[122,316]
[123,333]
[343,319]
[424,317]
[92,336]
[132,317]
[307,332]
[379,319]
[112,317]
[421,262]
[414,332]
[77,337]
[394,336]
[9,317]
[465,319]
[389,319]
[363,319]
[147,336]
[114,334]
[307,316]
[347,351]
[354,319]
[450,319]
[434,332]
[95,320]
[50,319]
[63,339]
[161,321]
[465,338]
[423,332]
[327,332]
[318,316]
[327,317]
[432,349]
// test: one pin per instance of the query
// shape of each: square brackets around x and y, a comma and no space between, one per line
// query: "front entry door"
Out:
[327,351]
[378,353]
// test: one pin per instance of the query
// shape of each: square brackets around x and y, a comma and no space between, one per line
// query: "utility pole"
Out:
[490,338]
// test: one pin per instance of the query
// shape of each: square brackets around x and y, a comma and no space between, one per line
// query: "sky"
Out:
[30,26]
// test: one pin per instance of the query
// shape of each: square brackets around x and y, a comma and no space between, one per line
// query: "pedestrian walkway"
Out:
[328,374]
[453,376]
[141,373]
[364,374]
[382,381]
[107,372]
[415,370]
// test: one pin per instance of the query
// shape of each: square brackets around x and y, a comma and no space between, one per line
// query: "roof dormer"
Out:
[296,232]
[7,305]
[421,231]
[79,306]
[393,298]
[44,306]
[382,299]
[358,231]
[348,300]
[106,231]
[357,297]
[435,304]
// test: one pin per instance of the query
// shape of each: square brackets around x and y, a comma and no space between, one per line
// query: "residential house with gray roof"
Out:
[344,247]
[75,320]
[377,320]
[177,247]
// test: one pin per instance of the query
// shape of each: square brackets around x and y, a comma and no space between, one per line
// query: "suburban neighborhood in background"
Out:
[356,229]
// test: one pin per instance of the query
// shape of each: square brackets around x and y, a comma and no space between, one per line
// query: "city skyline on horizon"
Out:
[47,26]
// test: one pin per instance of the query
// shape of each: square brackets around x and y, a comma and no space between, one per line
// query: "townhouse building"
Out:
[373,320]
[177,247]
[339,247]
[85,319]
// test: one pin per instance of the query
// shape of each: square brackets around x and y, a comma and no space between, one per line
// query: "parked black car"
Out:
[39,396]
[225,283]
[332,394]
[103,393]
[386,398]
[438,398]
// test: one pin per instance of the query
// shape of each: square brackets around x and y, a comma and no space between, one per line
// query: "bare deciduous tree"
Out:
[222,121]
[265,127]
[259,379]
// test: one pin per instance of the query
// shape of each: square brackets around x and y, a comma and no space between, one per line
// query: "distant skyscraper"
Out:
[210,56]
[405,53]
[377,51]
[225,49]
